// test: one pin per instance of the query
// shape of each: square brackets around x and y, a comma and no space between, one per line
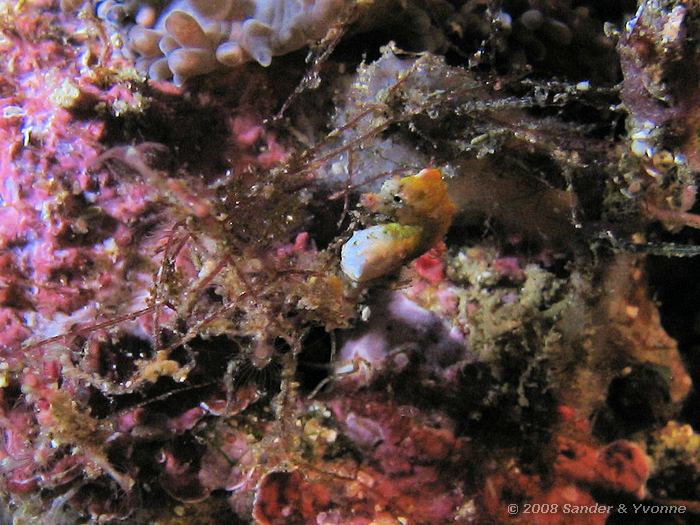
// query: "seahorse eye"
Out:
[398,199]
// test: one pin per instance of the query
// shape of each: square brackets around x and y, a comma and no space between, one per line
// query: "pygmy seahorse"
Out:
[423,211]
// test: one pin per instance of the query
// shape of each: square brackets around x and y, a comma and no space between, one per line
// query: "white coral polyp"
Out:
[194,37]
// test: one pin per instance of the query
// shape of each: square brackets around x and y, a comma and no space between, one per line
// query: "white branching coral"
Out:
[194,37]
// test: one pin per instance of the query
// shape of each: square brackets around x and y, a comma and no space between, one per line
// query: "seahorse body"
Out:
[423,210]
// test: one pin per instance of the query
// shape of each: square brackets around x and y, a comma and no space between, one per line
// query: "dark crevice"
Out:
[675,283]
[314,359]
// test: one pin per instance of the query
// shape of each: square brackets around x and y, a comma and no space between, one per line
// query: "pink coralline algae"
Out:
[398,337]
[78,221]
[187,337]
[406,459]
[621,468]
[56,233]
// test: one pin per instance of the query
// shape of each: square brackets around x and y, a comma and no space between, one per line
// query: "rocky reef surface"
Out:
[349,263]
